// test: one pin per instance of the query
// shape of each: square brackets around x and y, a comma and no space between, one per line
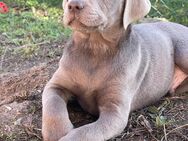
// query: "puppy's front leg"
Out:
[112,120]
[55,119]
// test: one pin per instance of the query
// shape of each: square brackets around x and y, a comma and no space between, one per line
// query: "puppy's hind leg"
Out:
[183,87]
[181,50]
[181,70]
[179,77]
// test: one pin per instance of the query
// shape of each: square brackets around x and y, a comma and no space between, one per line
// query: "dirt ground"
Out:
[22,80]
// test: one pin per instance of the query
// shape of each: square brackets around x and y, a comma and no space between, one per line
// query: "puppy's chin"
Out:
[76,25]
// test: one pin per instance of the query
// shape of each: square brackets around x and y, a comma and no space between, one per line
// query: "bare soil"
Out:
[22,80]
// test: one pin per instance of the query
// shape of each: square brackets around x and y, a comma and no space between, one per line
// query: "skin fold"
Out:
[112,67]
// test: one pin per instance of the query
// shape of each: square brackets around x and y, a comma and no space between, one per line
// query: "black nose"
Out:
[75,5]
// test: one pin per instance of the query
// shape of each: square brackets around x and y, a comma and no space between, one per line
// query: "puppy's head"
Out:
[92,15]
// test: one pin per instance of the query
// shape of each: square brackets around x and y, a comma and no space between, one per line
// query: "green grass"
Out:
[36,3]
[32,25]
[172,10]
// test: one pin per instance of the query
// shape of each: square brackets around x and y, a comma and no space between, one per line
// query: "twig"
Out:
[153,137]
[183,135]
[186,125]
[38,129]
[164,129]
[29,132]
[177,97]
[28,45]
[157,10]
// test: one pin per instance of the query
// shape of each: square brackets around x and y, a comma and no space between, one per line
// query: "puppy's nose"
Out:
[75,5]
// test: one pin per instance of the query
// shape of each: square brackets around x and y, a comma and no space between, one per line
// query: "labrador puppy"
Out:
[112,68]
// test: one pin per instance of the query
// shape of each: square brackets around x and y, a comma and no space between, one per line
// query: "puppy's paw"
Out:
[55,134]
[83,134]
[53,131]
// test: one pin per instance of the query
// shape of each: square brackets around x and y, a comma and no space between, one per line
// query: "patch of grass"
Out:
[29,28]
[36,3]
[32,22]
[172,10]
[156,114]
[26,52]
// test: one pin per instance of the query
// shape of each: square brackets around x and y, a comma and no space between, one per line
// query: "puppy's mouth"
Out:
[70,19]
[75,22]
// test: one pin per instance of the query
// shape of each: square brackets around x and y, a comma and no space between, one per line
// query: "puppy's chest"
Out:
[84,80]
[86,84]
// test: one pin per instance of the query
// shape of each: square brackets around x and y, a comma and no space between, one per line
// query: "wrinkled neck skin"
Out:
[99,42]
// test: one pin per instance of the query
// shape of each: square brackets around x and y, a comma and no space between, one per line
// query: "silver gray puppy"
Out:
[112,68]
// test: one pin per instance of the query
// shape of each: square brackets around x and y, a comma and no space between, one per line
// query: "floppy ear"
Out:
[134,10]
[63,4]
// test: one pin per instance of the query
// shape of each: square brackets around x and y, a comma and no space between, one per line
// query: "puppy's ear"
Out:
[63,4]
[134,10]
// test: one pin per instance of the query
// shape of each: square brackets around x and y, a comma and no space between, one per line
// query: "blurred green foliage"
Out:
[26,27]
[172,10]
[32,22]
[52,7]
[36,3]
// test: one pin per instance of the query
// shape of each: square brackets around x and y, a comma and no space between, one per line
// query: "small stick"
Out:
[186,125]
[165,135]
[28,45]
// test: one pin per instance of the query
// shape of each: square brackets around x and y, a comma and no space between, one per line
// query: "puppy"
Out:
[111,67]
